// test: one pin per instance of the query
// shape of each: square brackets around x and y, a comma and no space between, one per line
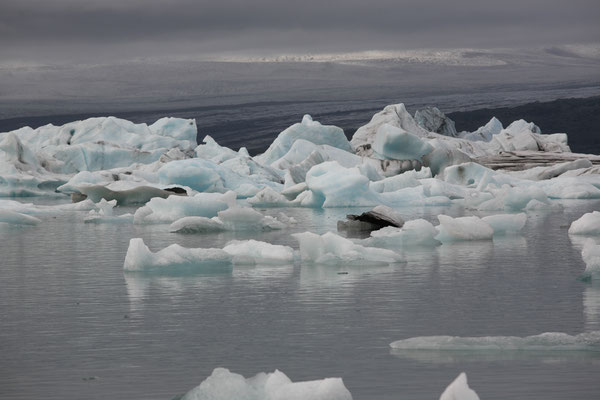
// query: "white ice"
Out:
[140,258]
[506,223]
[333,249]
[309,130]
[587,224]
[463,228]
[172,208]
[459,390]
[416,232]
[225,385]
[549,341]
[591,257]
[257,252]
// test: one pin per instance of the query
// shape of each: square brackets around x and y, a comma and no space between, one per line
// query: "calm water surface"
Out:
[75,326]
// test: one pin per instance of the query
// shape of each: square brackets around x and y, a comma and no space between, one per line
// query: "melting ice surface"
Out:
[263,280]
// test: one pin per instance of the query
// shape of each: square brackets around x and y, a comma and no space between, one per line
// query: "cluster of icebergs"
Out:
[225,385]
[396,160]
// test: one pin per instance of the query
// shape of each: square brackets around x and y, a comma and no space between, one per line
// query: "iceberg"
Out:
[588,224]
[549,341]
[256,252]
[175,257]
[459,390]
[243,218]
[332,249]
[506,223]
[140,258]
[486,132]
[463,228]
[225,385]
[433,120]
[308,130]
[335,186]
[416,232]
[162,211]
[16,218]
[105,214]
[591,257]
[231,219]
[269,197]
[197,225]
[394,143]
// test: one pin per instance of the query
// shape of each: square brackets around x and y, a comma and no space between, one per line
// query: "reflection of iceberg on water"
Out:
[591,306]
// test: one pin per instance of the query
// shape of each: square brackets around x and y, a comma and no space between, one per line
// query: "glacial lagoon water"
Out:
[75,326]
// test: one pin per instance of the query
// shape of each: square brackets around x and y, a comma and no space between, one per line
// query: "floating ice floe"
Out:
[591,257]
[459,390]
[232,219]
[416,232]
[549,341]
[226,385]
[105,214]
[257,252]
[588,224]
[506,223]
[463,228]
[168,210]
[330,248]
[16,218]
[37,209]
[140,258]
[174,257]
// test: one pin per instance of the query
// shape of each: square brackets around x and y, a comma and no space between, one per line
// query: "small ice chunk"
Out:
[588,224]
[197,225]
[140,258]
[173,208]
[226,385]
[330,248]
[463,228]
[506,223]
[256,252]
[459,390]
[16,218]
[248,219]
[416,232]
[268,197]
[591,257]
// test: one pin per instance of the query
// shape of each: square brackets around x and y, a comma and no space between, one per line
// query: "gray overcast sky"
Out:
[108,30]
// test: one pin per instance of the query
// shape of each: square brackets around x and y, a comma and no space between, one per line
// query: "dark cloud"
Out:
[79,30]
